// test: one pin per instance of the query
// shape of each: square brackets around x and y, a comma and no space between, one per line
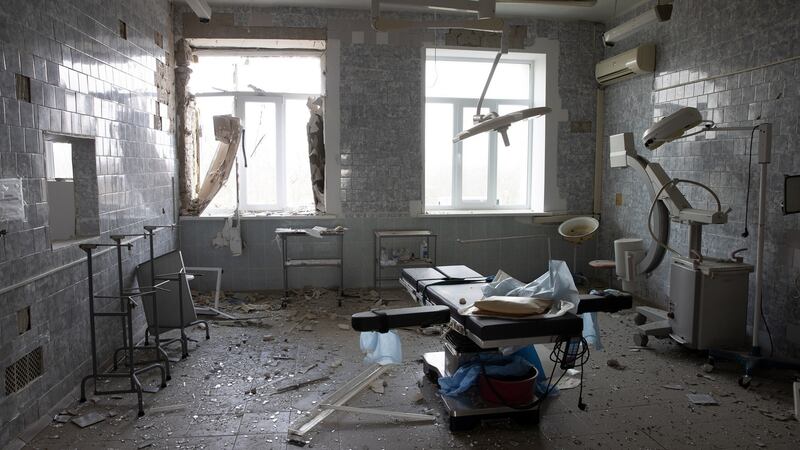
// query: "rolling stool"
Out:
[605,264]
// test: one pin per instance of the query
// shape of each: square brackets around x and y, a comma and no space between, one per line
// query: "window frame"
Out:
[240,98]
[458,204]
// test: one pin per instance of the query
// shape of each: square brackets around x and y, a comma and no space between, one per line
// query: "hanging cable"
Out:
[747,196]
[565,353]
[674,181]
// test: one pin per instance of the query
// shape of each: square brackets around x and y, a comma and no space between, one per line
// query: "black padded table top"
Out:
[442,286]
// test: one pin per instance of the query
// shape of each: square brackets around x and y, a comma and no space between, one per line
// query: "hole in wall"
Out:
[159,39]
[24,320]
[23,88]
[123,30]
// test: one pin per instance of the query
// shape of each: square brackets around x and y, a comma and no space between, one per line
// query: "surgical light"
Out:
[492,121]
[672,127]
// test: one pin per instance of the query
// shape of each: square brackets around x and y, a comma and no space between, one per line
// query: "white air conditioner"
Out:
[635,61]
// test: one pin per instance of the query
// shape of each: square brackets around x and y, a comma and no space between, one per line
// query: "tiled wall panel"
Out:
[86,81]
[707,39]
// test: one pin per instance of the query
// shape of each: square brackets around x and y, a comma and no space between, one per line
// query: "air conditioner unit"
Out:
[635,61]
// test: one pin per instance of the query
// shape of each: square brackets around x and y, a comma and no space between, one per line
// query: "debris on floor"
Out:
[378,386]
[702,399]
[88,419]
[614,364]
[784,416]
[259,372]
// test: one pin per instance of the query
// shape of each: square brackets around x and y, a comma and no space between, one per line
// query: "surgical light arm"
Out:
[680,210]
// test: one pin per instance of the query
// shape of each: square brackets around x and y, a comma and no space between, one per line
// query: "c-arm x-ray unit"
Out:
[707,296]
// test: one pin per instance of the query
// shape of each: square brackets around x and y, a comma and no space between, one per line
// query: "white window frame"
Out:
[459,103]
[279,98]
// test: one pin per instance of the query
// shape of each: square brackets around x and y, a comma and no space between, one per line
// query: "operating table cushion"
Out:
[387,319]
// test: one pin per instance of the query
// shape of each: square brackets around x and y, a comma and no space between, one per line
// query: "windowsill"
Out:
[538,217]
[480,212]
[218,216]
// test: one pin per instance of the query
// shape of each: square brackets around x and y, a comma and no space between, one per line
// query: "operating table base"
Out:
[466,411]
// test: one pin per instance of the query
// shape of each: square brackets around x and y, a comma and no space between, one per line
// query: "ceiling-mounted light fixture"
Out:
[492,121]
[659,13]
[485,21]
[484,10]
[201,9]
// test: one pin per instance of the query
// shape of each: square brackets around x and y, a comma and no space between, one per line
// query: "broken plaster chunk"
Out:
[378,386]
[343,326]
[614,364]
[268,338]
[89,419]
[702,399]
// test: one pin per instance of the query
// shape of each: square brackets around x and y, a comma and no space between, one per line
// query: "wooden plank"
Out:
[380,412]
[340,397]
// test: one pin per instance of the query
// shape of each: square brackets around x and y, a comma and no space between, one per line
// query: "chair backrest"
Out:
[167,301]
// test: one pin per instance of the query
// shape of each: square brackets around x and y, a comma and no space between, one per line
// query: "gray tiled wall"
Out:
[710,38]
[259,266]
[85,81]
[381,156]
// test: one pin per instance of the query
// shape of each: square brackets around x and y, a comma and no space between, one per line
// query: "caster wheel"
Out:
[163,385]
[640,319]
[141,413]
[169,378]
[463,423]
[744,381]
[640,340]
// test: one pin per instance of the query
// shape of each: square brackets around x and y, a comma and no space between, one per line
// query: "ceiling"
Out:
[602,11]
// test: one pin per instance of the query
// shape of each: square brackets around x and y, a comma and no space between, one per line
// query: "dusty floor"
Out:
[222,396]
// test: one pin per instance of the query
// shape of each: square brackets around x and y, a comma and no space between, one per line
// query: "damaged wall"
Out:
[86,81]
[379,151]
[711,38]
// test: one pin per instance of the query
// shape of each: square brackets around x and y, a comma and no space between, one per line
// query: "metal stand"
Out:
[143,291]
[658,326]
[287,263]
[750,362]
[381,266]
[126,319]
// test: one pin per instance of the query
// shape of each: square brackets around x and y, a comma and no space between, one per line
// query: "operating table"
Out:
[443,292]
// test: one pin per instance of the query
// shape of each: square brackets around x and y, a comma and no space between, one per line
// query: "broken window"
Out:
[269,94]
[478,173]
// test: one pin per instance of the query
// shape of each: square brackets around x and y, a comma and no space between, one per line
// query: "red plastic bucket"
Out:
[516,391]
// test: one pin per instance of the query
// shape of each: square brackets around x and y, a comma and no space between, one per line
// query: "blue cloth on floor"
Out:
[591,330]
[381,348]
[496,365]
